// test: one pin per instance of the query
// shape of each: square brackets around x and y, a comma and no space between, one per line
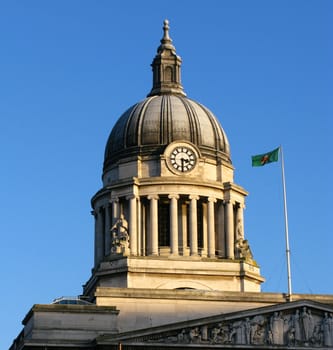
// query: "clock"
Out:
[183,158]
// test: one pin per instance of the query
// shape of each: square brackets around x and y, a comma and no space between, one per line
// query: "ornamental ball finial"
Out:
[166,30]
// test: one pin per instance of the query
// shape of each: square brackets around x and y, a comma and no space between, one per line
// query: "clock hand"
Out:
[183,162]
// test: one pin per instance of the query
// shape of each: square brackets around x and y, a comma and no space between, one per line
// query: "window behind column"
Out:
[164,222]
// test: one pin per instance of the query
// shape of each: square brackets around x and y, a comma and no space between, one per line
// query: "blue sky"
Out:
[68,69]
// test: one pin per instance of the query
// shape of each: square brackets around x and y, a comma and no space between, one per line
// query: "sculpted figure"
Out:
[253,331]
[327,329]
[224,334]
[311,323]
[297,327]
[258,330]
[182,337]
[317,336]
[237,333]
[239,232]
[330,322]
[287,330]
[291,336]
[247,329]
[119,236]
[215,335]
[259,336]
[276,325]
[120,226]
[270,338]
[195,335]
[243,249]
[306,324]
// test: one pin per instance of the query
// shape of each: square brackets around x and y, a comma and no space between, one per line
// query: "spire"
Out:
[166,67]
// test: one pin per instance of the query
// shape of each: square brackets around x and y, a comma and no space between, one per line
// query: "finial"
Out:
[166,30]
[166,41]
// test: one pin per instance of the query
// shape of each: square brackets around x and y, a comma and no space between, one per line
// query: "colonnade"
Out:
[196,225]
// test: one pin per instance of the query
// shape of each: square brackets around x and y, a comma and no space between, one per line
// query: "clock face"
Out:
[182,159]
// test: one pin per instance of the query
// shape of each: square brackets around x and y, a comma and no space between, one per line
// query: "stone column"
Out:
[99,244]
[133,232]
[221,232]
[229,223]
[115,210]
[183,238]
[211,227]
[173,224]
[153,232]
[240,221]
[107,229]
[140,223]
[193,225]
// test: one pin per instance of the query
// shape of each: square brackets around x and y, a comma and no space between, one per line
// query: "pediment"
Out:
[299,324]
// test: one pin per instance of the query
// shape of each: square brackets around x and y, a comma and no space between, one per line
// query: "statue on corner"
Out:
[243,250]
[120,237]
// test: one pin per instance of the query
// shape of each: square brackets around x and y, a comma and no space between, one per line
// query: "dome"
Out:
[165,116]
[148,126]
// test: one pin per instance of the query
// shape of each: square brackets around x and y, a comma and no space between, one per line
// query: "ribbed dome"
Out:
[166,115]
[150,125]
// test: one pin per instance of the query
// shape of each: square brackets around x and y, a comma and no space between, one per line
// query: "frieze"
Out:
[300,327]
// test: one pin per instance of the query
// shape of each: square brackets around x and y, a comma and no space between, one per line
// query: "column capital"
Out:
[240,205]
[114,200]
[173,195]
[212,199]
[106,205]
[132,196]
[193,196]
[153,196]
[100,209]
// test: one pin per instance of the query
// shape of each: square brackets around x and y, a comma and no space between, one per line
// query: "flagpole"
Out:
[289,296]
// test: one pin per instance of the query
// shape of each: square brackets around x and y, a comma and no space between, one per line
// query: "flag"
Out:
[265,158]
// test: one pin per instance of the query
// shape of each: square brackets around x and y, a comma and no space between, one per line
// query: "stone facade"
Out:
[300,324]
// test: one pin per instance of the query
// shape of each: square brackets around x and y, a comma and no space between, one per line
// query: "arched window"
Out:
[168,74]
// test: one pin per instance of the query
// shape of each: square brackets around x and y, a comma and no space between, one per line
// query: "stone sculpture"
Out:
[120,237]
[243,250]
[293,328]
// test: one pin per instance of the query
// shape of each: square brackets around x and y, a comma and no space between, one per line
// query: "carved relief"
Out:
[304,327]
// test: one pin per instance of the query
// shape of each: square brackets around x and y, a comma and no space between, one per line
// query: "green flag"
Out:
[265,158]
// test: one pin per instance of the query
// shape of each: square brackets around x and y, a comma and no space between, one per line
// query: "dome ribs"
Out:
[132,137]
[117,135]
[140,133]
[169,135]
[151,123]
[164,119]
[195,132]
